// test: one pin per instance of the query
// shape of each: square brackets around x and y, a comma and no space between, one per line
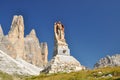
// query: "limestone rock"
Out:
[8,47]
[32,49]
[62,61]
[16,35]
[5,44]
[19,66]
[108,61]
[44,51]
[1,33]
[28,48]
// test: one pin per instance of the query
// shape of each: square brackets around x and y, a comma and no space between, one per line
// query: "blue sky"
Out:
[92,27]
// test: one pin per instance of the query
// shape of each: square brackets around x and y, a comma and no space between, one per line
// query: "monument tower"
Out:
[61,47]
[61,61]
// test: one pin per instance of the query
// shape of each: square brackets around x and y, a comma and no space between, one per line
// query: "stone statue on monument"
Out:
[59,32]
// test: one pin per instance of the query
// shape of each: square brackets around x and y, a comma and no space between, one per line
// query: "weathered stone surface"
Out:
[1,33]
[16,35]
[5,44]
[44,51]
[27,48]
[108,61]
[62,61]
[19,66]
[61,47]
[32,49]
[8,47]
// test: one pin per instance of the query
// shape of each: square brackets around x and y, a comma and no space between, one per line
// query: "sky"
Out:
[92,27]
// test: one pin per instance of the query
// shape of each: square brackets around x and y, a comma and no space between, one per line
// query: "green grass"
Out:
[96,74]
[5,76]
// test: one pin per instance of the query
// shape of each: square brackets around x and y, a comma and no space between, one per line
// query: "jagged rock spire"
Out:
[33,50]
[28,48]
[16,35]
[17,27]
[108,61]
[32,33]
[44,52]
[1,31]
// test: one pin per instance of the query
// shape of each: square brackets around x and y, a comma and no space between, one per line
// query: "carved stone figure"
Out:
[61,46]
[59,32]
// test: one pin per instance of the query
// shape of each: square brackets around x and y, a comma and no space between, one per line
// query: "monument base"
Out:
[63,63]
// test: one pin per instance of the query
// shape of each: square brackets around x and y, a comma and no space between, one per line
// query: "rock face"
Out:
[8,47]
[5,44]
[108,61]
[27,48]
[44,50]
[19,66]
[16,35]
[32,49]
[61,47]
[62,61]
[1,33]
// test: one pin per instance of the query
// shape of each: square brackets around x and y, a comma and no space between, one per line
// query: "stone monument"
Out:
[61,61]
[61,47]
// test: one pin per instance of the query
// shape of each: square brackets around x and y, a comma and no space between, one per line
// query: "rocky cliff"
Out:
[44,50]
[27,48]
[6,45]
[1,33]
[16,35]
[32,52]
[108,61]
[17,66]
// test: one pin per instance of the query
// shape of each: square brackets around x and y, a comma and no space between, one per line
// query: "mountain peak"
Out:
[108,61]
[1,31]
[32,32]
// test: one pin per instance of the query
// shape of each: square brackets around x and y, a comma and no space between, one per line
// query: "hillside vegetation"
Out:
[108,73]
[5,76]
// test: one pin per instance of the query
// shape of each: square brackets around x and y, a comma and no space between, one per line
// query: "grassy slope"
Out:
[97,74]
[5,76]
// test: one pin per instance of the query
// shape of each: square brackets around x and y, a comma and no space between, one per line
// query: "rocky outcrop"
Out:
[19,66]
[1,33]
[44,51]
[8,47]
[108,61]
[16,35]
[32,52]
[28,48]
[62,61]
[5,44]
